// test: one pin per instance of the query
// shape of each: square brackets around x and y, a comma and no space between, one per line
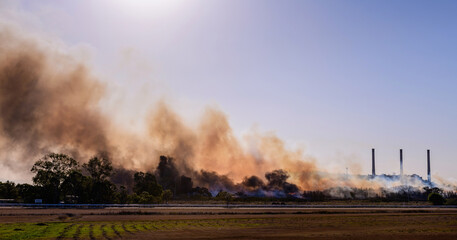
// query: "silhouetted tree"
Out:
[167,173]
[201,193]
[436,198]
[225,196]
[8,190]
[99,168]
[103,192]
[185,185]
[28,193]
[123,196]
[50,173]
[167,195]
[100,188]
[146,182]
[77,187]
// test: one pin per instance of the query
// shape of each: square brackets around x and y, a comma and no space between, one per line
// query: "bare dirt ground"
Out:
[243,223]
[18,214]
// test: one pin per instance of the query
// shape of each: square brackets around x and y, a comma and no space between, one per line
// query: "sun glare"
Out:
[141,7]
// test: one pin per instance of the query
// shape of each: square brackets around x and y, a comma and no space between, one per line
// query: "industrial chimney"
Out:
[429,177]
[401,162]
[373,170]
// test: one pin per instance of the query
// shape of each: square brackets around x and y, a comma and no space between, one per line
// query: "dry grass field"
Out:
[222,223]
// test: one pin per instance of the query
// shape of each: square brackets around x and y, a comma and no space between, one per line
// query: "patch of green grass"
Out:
[115,229]
[106,227]
[97,231]
[131,227]
[118,227]
[31,230]
[71,231]
[84,231]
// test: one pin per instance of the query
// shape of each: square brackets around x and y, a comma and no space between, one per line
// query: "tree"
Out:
[146,182]
[100,188]
[201,192]
[8,190]
[146,198]
[28,193]
[100,168]
[185,185]
[123,195]
[103,192]
[77,187]
[223,195]
[167,195]
[51,171]
[436,198]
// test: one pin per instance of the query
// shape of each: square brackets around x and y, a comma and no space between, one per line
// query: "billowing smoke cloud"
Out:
[51,102]
[277,180]
[46,100]
[253,183]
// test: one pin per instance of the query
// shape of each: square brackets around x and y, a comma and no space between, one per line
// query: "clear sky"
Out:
[338,77]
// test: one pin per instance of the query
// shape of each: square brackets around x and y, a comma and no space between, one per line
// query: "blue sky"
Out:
[338,77]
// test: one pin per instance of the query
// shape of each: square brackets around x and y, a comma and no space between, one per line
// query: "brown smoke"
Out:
[47,100]
[214,148]
[50,102]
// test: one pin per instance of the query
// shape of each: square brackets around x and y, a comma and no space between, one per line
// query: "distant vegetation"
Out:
[436,198]
[59,178]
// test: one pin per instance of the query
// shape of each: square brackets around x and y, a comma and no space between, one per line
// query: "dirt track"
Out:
[33,215]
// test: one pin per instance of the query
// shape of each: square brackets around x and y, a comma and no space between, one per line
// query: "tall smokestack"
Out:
[429,177]
[401,162]
[373,170]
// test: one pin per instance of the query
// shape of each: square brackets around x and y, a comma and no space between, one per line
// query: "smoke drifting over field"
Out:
[51,102]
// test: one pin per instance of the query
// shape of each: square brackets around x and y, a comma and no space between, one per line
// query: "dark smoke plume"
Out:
[253,183]
[123,177]
[47,101]
[277,180]
[215,182]
[167,173]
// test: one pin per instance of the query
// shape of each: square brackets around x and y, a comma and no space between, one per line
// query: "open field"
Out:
[223,223]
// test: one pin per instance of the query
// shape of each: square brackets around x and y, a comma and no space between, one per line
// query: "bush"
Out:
[146,198]
[167,195]
[436,199]
[452,201]
[225,196]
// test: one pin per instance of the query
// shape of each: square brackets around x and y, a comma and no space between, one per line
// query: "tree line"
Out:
[60,178]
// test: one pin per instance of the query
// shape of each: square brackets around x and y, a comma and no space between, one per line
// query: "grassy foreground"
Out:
[411,226]
[108,230]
